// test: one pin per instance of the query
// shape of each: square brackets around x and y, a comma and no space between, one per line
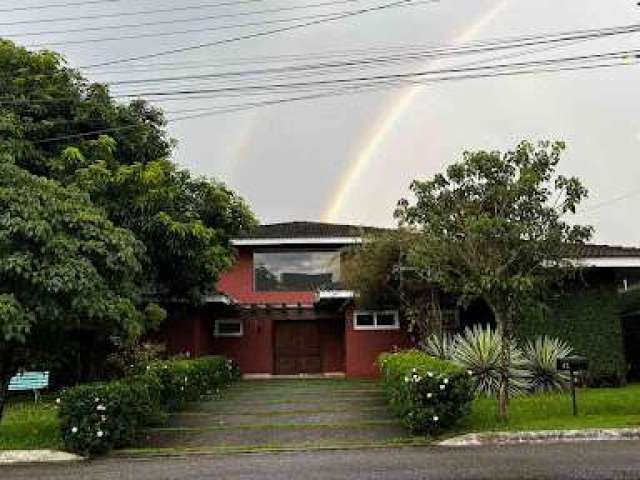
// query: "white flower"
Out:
[74,430]
[429,395]
[406,379]
[182,388]
[185,379]
[436,418]
[96,399]
[148,367]
[103,417]
[445,381]
[470,372]
[430,374]
[417,378]
[99,434]
[58,401]
[442,387]
[414,370]
[101,408]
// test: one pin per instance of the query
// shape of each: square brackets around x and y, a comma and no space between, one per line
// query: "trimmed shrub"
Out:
[96,417]
[428,394]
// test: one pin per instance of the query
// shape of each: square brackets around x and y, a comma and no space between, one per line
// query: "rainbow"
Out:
[391,114]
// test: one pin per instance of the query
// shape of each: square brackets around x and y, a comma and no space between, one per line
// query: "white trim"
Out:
[248,242]
[609,262]
[334,294]
[234,321]
[218,298]
[375,326]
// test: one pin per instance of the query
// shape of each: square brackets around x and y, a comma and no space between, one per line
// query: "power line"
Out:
[57,5]
[373,78]
[182,20]
[241,107]
[548,41]
[413,56]
[136,12]
[169,33]
[252,35]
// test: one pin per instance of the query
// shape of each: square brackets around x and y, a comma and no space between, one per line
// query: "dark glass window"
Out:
[228,328]
[364,320]
[386,319]
[296,271]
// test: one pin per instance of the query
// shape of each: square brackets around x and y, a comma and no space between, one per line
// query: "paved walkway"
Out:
[261,415]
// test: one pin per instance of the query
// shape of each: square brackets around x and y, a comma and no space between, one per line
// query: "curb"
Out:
[542,436]
[13,457]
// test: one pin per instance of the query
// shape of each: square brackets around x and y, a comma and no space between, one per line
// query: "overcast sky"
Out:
[349,158]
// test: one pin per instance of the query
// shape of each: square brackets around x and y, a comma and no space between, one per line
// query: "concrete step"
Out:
[206,420]
[290,436]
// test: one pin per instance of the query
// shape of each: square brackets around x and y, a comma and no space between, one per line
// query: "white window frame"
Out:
[375,326]
[234,321]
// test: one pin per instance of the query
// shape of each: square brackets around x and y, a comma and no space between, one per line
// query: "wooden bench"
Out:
[34,381]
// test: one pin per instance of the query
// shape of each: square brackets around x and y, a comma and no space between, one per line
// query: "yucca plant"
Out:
[541,356]
[439,345]
[478,350]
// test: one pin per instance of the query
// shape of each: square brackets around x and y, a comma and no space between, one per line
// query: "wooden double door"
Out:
[309,346]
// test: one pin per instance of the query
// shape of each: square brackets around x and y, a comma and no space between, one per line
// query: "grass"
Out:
[27,425]
[604,407]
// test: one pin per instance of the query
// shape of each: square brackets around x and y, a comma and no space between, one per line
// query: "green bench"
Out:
[25,381]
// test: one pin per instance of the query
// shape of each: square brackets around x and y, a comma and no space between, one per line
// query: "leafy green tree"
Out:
[493,227]
[186,223]
[63,267]
[118,154]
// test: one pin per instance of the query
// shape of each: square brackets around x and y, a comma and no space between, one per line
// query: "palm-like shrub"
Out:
[478,350]
[440,345]
[541,356]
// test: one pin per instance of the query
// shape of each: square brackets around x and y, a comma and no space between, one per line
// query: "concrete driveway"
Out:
[259,415]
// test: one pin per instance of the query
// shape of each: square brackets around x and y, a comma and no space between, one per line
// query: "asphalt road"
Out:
[596,460]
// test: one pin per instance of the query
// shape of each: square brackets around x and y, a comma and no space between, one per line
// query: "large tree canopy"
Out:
[63,266]
[93,215]
[494,227]
[56,124]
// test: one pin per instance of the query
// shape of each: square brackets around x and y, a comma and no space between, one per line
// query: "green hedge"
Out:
[429,395]
[589,320]
[96,417]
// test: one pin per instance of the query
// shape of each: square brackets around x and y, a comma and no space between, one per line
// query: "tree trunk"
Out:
[6,372]
[503,322]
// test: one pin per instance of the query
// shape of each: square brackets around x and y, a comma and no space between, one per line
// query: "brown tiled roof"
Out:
[304,230]
[309,230]
[607,251]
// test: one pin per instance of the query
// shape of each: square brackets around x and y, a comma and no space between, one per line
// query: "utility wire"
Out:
[373,78]
[414,56]
[199,18]
[547,41]
[252,35]
[135,12]
[318,95]
[170,33]
[57,5]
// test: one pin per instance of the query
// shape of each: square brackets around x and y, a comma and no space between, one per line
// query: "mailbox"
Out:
[573,363]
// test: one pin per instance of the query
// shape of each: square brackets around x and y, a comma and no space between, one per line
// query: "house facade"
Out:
[281,309]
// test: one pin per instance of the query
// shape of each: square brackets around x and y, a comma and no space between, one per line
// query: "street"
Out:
[594,460]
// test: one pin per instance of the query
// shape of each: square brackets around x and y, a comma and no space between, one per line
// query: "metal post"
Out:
[573,393]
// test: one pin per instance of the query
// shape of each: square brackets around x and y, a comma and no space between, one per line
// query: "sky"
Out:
[348,158]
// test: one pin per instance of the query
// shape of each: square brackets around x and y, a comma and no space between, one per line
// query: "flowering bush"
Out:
[97,417]
[430,395]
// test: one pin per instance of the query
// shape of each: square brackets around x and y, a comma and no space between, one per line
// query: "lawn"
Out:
[604,407]
[27,425]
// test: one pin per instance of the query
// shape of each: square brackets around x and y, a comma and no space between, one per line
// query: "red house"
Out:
[281,310]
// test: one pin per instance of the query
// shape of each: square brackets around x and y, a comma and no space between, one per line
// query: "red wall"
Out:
[238,283]
[254,350]
[364,346]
